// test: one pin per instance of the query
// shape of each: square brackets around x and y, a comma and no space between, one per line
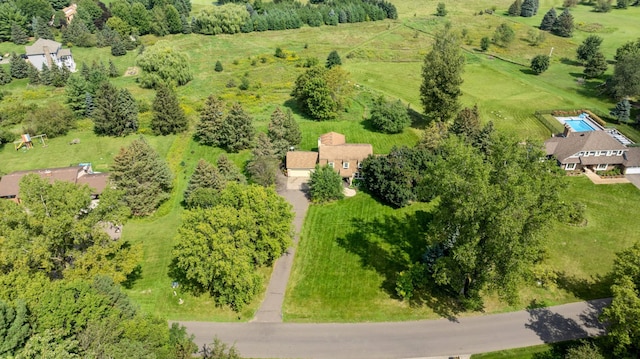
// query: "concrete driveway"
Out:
[635,179]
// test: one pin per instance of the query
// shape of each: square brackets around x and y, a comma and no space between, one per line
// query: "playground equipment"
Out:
[26,141]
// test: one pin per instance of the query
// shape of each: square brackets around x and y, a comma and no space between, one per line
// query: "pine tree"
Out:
[46,78]
[229,171]
[540,64]
[113,70]
[18,35]
[143,175]
[333,59]
[442,77]
[205,176]
[127,114]
[89,104]
[76,90]
[211,118]
[515,8]
[263,146]
[218,67]
[19,68]
[589,47]
[622,112]
[78,34]
[528,8]
[284,131]
[41,29]
[536,5]
[548,20]
[174,22]
[168,116]
[118,47]
[236,132]
[467,123]
[564,24]
[104,114]
[34,75]
[5,78]
[186,26]
[595,66]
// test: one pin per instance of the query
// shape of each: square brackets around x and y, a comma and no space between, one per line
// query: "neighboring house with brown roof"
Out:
[10,183]
[595,150]
[70,12]
[333,151]
[50,53]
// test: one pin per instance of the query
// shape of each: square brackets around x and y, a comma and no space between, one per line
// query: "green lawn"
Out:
[519,353]
[351,251]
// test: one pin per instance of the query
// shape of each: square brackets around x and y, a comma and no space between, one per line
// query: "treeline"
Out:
[235,17]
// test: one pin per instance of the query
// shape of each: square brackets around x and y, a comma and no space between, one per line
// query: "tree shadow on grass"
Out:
[132,277]
[389,245]
[528,71]
[418,120]
[586,289]
[293,105]
[570,62]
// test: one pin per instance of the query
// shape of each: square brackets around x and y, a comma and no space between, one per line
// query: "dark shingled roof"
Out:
[10,183]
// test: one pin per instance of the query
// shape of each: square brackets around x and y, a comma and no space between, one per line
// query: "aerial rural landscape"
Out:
[319,179]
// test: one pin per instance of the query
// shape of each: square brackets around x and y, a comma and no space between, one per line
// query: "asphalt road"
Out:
[443,337]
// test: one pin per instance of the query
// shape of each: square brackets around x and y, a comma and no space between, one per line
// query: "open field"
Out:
[336,278]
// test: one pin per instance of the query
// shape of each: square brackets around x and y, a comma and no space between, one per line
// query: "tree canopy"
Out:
[283,132]
[442,77]
[161,63]
[322,92]
[219,248]
[144,177]
[168,116]
[389,116]
[325,184]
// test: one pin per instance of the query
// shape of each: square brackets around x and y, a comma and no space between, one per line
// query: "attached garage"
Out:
[632,170]
[632,161]
[301,163]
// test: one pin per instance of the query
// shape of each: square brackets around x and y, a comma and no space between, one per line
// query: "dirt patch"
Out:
[132,71]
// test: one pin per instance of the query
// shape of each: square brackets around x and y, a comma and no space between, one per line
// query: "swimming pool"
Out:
[579,125]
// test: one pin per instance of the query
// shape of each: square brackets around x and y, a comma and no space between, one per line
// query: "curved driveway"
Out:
[406,339]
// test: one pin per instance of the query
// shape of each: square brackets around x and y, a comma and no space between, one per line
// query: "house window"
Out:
[592,153]
[603,153]
[359,165]
[330,164]
[570,166]
[608,153]
[357,175]
[602,167]
[345,165]
[620,153]
[581,154]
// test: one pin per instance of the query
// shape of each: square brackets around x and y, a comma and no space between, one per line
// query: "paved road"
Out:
[406,339]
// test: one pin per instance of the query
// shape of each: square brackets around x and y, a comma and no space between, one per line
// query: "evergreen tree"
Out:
[76,90]
[211,118]
[484,43]
[145,178]
[41,29]
[78,34]
[622,111]
[218,67]
[127,114]
[467,123]
[45,75]
[140,18]
[168,116]
[205,176]
[442,77]
[563,25]
[589,47]
[441,9]
[622,4]
[104,114]
[229,171]
[528,8]
[5,78]
[186,26]
[333,59]
[34,75]
[18,35]
[19,68]
[549,20]
[263,146]
[540,64]
[595,66]
[118,47]
[263,170]
[625,81]
[89,105]
[536,5]
[284,131]
[236,132]
[113,70]
[515,8]
[174,22]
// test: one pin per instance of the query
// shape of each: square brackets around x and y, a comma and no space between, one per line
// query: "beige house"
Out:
[333,151]
[595,150]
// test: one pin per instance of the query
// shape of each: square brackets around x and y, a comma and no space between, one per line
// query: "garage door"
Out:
[298,173]
[632,170]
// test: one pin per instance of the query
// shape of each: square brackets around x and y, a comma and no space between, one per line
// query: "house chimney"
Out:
[47,56]
[567,130]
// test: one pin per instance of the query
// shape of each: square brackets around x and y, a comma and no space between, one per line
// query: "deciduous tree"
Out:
[442,77]
[325,185]
[504,35]
[144,177]
[467,123]
[162,63]
[389,116]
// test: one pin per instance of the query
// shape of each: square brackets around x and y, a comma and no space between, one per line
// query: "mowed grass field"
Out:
[336,278]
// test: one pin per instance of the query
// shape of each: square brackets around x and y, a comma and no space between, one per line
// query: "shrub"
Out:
[325,184]
[540,64]
[441,10]
[389,116]
[218,67]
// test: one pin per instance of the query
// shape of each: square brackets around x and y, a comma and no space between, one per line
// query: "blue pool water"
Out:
[579,125]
